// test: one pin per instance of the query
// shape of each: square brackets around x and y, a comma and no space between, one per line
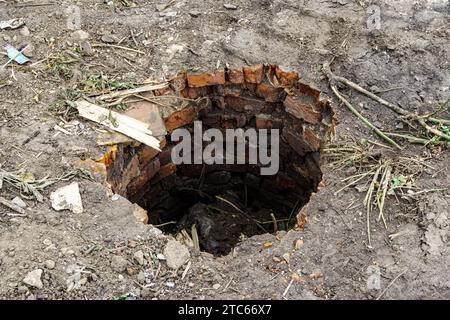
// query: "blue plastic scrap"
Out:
[16,55]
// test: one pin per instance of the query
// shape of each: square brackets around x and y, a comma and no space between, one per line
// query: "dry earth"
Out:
[85,256]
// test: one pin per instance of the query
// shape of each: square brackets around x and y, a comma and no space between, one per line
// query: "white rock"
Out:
[19,202]
[176,254]
[80,35]
[33,279]
[67,198]
[50,264]
[139,257]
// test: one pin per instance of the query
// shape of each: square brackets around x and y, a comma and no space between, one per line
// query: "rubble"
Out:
[67,198]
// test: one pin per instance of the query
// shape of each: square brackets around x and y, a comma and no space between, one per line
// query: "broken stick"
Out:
[12,206]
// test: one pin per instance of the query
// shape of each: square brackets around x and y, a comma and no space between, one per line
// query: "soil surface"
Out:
[103,253]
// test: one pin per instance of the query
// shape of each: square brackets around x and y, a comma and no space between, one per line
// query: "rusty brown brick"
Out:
[206,79]
[97,169]
[311,139]
[264,121]
[234,76]
[270,93]
[301,110]
[136,185]
[167,170]
[146,155]
[180,118]
[254,74]
[194,93]
[286,76]
[296,141]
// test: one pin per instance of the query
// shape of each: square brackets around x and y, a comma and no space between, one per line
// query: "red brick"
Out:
[206,79]
[286,76]
[301,110]
[146,155]
[254,74]
[245,104]
[146,174]
[234,76]
[97,169]
[312,139]
[194,93]
[269,92]
[296,142]
[180,118]
[167,170]
[264,121]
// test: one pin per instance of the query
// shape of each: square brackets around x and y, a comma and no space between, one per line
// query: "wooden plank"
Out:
[128,126]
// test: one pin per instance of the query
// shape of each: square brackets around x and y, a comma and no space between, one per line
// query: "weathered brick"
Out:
[245,104]
[311,139]
[234,76]
[147,173]
[264,121]
[296,141]
[301,110]
[206,79]
[254,74]
[287,76]
[180,118]
[270,93]
[109,156]
[146,154]
[194,93]
[97,169]
[167,170]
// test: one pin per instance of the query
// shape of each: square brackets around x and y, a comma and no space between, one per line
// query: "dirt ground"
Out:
[95,255]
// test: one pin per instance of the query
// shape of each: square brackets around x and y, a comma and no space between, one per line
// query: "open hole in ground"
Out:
[222,203]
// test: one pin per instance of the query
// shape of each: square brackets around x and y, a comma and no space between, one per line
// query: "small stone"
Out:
[22,289]
[230,6]
[80,35]
[194,13]
[160,256]
[146,293]
[19,202]
[25,31]
[47,242]
[87,48]
[119,263]
[216,286]
[176,254]
[170,284]
[168,14]
[141,277]
[50,264]
[109,39]
[139,257]
[33,279]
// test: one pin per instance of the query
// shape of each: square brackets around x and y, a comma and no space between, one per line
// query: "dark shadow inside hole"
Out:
[228,203]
